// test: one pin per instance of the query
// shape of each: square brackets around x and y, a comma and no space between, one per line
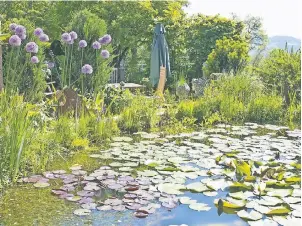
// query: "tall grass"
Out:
[16,130]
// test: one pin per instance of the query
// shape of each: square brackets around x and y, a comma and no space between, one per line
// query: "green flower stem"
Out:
[69,76]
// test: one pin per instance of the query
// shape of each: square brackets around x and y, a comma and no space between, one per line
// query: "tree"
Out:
[282,70]
[202,34]
[229,55]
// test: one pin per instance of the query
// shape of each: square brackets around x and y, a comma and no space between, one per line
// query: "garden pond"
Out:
[226,175]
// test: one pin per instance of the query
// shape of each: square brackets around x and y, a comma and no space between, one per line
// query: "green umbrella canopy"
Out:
[159,54]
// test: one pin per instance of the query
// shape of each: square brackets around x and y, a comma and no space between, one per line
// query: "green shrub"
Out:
[103,129]
[141,114]
[265,109]
[185,109]
[231,109]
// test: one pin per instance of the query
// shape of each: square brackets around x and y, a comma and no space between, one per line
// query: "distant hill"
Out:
[280,41]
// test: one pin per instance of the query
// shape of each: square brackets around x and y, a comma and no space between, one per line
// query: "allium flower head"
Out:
[19,30]
[50,65]
[87,69]
[96,45]
[82,44]
[31,47]
[44,38]
[13,26]
[66,37]
[106,39]
[73,35]
[105,54]
[34,60]
[22,36]
[38,31]
[14,40]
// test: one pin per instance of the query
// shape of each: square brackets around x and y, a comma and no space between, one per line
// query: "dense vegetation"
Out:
[263,89]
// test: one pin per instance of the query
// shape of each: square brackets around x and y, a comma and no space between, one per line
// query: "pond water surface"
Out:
[205,167]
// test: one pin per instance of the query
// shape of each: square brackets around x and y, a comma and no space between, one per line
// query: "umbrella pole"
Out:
[162,80]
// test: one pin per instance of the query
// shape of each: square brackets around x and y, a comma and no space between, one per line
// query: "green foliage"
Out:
[265,109]
[185,109]
[16,130]
[202,35]
[137,118]
[229,55]
[281,71]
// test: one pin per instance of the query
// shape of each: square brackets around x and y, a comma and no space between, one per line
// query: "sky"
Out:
[279,17]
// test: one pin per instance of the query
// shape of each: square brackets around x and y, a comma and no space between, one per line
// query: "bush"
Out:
[185,109]
[265,109]
[141,114]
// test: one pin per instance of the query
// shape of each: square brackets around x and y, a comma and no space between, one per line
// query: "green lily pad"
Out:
[231,203]
[278,211]
[199,207]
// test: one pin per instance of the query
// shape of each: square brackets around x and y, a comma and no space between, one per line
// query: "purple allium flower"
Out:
[82,44]
[38,31]
[106,39]
[19,30]
[105,54]
[14,40]
[66,37]
[34,60]
[44,38]
[96,45]
[22,36]
[87,69]
[13,26]
[73,35]
[50,65]
[31,47]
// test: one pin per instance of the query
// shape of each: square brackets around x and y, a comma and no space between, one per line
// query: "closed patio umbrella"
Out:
[160,63]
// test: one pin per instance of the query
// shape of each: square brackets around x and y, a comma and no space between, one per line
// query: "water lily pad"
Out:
[197,187]
[253,215]
[269,201]
[41,185]
[86,200]
[85,193]
[210,193]
[74,198]
[141,214]
[147,173]
[231,203]
[104,208]
[278,211]
[199,207]
[119,208]
[280,192]
[89,206]
[82,212]
[172,189]
[186,200]
[113,202]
